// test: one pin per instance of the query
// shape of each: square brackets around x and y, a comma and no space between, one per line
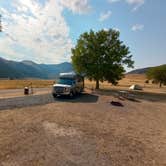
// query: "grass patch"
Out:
[124,84]
[17,84]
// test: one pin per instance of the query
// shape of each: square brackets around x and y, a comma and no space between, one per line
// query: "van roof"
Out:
[69,75]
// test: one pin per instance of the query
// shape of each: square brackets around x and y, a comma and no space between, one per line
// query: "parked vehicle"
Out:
[68,84]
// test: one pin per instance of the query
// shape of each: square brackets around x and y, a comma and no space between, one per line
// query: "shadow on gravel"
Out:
[26,101]
[82,98]
[134,100]
[148,96]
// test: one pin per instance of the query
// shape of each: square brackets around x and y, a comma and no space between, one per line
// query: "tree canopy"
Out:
[158,74]
[101,56]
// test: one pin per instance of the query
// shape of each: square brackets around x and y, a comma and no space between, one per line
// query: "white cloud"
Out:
[137,27]
[112,1]
[117,29]
[76,6]
[135,3]
[38,32]
[105,16]
[5,48]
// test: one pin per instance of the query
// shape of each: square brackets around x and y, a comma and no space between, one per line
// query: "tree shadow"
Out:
[134,100]
[138,95]
[82,98]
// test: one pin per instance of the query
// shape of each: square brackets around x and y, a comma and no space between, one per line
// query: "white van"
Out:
[68,84]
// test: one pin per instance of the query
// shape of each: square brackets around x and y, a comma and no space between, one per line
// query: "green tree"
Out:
[101,56]
[158,74]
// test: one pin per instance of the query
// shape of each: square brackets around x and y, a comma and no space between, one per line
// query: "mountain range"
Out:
[29,69]
[139,71]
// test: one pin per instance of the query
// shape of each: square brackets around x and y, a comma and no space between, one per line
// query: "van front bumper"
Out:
[61,93]
[64,93]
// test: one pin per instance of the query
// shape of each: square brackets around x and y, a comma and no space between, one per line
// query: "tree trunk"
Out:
[97,84]
[160,84]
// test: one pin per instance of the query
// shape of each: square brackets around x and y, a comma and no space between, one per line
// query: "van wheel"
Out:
[54,95]
[71,95]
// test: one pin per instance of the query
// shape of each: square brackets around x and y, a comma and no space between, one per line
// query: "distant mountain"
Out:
[139,71]
[29,69]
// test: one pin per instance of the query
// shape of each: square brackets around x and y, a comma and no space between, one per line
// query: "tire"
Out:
[71,95]
[54,95]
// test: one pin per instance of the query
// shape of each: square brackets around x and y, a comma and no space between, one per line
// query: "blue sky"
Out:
[45,30]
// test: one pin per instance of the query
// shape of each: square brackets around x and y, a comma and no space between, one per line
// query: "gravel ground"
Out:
[25,101]
[43,96]
[42,99]
[87,130]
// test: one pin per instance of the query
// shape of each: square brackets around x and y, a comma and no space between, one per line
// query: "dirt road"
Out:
[87,130]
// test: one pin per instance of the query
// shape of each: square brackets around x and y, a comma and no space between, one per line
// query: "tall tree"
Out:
[101,56]
[158,74]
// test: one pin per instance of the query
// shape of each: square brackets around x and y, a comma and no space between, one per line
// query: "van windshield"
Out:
[65,81]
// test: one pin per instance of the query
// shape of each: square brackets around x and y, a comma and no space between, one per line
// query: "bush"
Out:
[158,74]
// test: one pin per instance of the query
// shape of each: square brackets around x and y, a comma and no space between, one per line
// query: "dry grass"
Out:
[16,84]
[124,84]
[127,81]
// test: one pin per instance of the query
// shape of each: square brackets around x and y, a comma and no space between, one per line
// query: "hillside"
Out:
[29,69]
[139,71]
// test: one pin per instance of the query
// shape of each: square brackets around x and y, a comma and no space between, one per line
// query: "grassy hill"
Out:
[139,71]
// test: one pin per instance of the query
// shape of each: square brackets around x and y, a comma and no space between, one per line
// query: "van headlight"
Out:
[66,89]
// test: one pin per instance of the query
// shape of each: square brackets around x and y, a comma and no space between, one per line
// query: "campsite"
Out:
[87,130]
[82,83]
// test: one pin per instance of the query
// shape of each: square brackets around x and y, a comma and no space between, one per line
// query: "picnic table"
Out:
[126,94]
[123,93]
